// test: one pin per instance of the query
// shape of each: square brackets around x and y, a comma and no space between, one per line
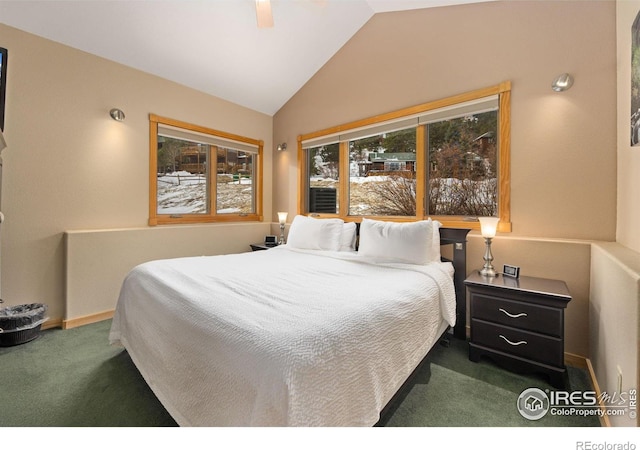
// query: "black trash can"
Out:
[21,324]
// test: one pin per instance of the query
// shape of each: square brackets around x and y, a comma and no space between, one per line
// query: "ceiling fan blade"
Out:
[263,13]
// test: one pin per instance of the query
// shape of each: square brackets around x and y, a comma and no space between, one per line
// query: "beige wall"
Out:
[613,319]
[90,289]
[614,313]
[69,166]
[563,144]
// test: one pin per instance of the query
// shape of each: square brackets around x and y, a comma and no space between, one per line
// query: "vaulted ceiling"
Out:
[214,46]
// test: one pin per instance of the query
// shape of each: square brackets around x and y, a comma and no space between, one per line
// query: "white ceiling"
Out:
[213,46]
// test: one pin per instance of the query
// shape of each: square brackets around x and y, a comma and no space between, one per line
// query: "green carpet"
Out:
[73,378]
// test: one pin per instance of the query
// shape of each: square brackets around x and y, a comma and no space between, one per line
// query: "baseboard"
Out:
[86,320]
[585,363]
[604,419]
[53,323]
[573,360]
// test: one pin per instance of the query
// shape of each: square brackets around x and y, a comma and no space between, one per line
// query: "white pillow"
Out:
[410,242]
[315,234]
[348,238]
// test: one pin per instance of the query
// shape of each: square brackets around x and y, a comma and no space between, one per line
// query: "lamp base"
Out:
[488,272]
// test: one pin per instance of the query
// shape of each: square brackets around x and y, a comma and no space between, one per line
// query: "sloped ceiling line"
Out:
[213,46]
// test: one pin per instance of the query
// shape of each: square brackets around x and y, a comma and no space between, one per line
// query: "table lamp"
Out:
[282,218]
[488,228]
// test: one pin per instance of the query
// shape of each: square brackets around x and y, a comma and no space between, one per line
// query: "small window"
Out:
[324,178]
[202,175]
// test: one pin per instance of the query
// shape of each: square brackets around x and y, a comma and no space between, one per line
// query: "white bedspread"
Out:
[280,337]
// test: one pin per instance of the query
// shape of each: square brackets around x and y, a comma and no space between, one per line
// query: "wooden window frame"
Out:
[502,90]
[212,216]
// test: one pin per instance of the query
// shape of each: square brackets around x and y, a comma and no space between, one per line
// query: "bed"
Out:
[311,333]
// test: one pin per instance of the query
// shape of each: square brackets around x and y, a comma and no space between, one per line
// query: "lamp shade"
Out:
[488,226]
[282,217]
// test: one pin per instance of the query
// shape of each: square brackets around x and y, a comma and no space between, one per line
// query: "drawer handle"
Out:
[513,316]
[513,343]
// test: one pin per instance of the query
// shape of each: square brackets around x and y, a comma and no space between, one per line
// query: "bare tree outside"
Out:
[463,166]
[396,196]
[169,151]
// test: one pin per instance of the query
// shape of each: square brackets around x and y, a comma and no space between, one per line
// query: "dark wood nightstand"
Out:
[519,323]
[261,246]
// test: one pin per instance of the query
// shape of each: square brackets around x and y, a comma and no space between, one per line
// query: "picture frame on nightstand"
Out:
[510,271]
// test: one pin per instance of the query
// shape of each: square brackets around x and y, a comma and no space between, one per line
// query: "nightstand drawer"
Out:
[544,349]
[527,316]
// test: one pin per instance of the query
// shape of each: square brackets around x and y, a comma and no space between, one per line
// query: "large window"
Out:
[202,175]
[447,159]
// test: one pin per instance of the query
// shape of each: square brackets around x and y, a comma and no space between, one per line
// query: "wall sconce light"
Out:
[282,147]
[117,114]
[282,218]
[562,82]
[488,228]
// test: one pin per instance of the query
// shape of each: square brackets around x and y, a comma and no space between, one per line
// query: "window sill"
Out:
[189,219]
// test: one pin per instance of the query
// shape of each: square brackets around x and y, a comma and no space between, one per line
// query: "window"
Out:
[202,175]
[382,179]
[323,178]
[463,158]
[447,159]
